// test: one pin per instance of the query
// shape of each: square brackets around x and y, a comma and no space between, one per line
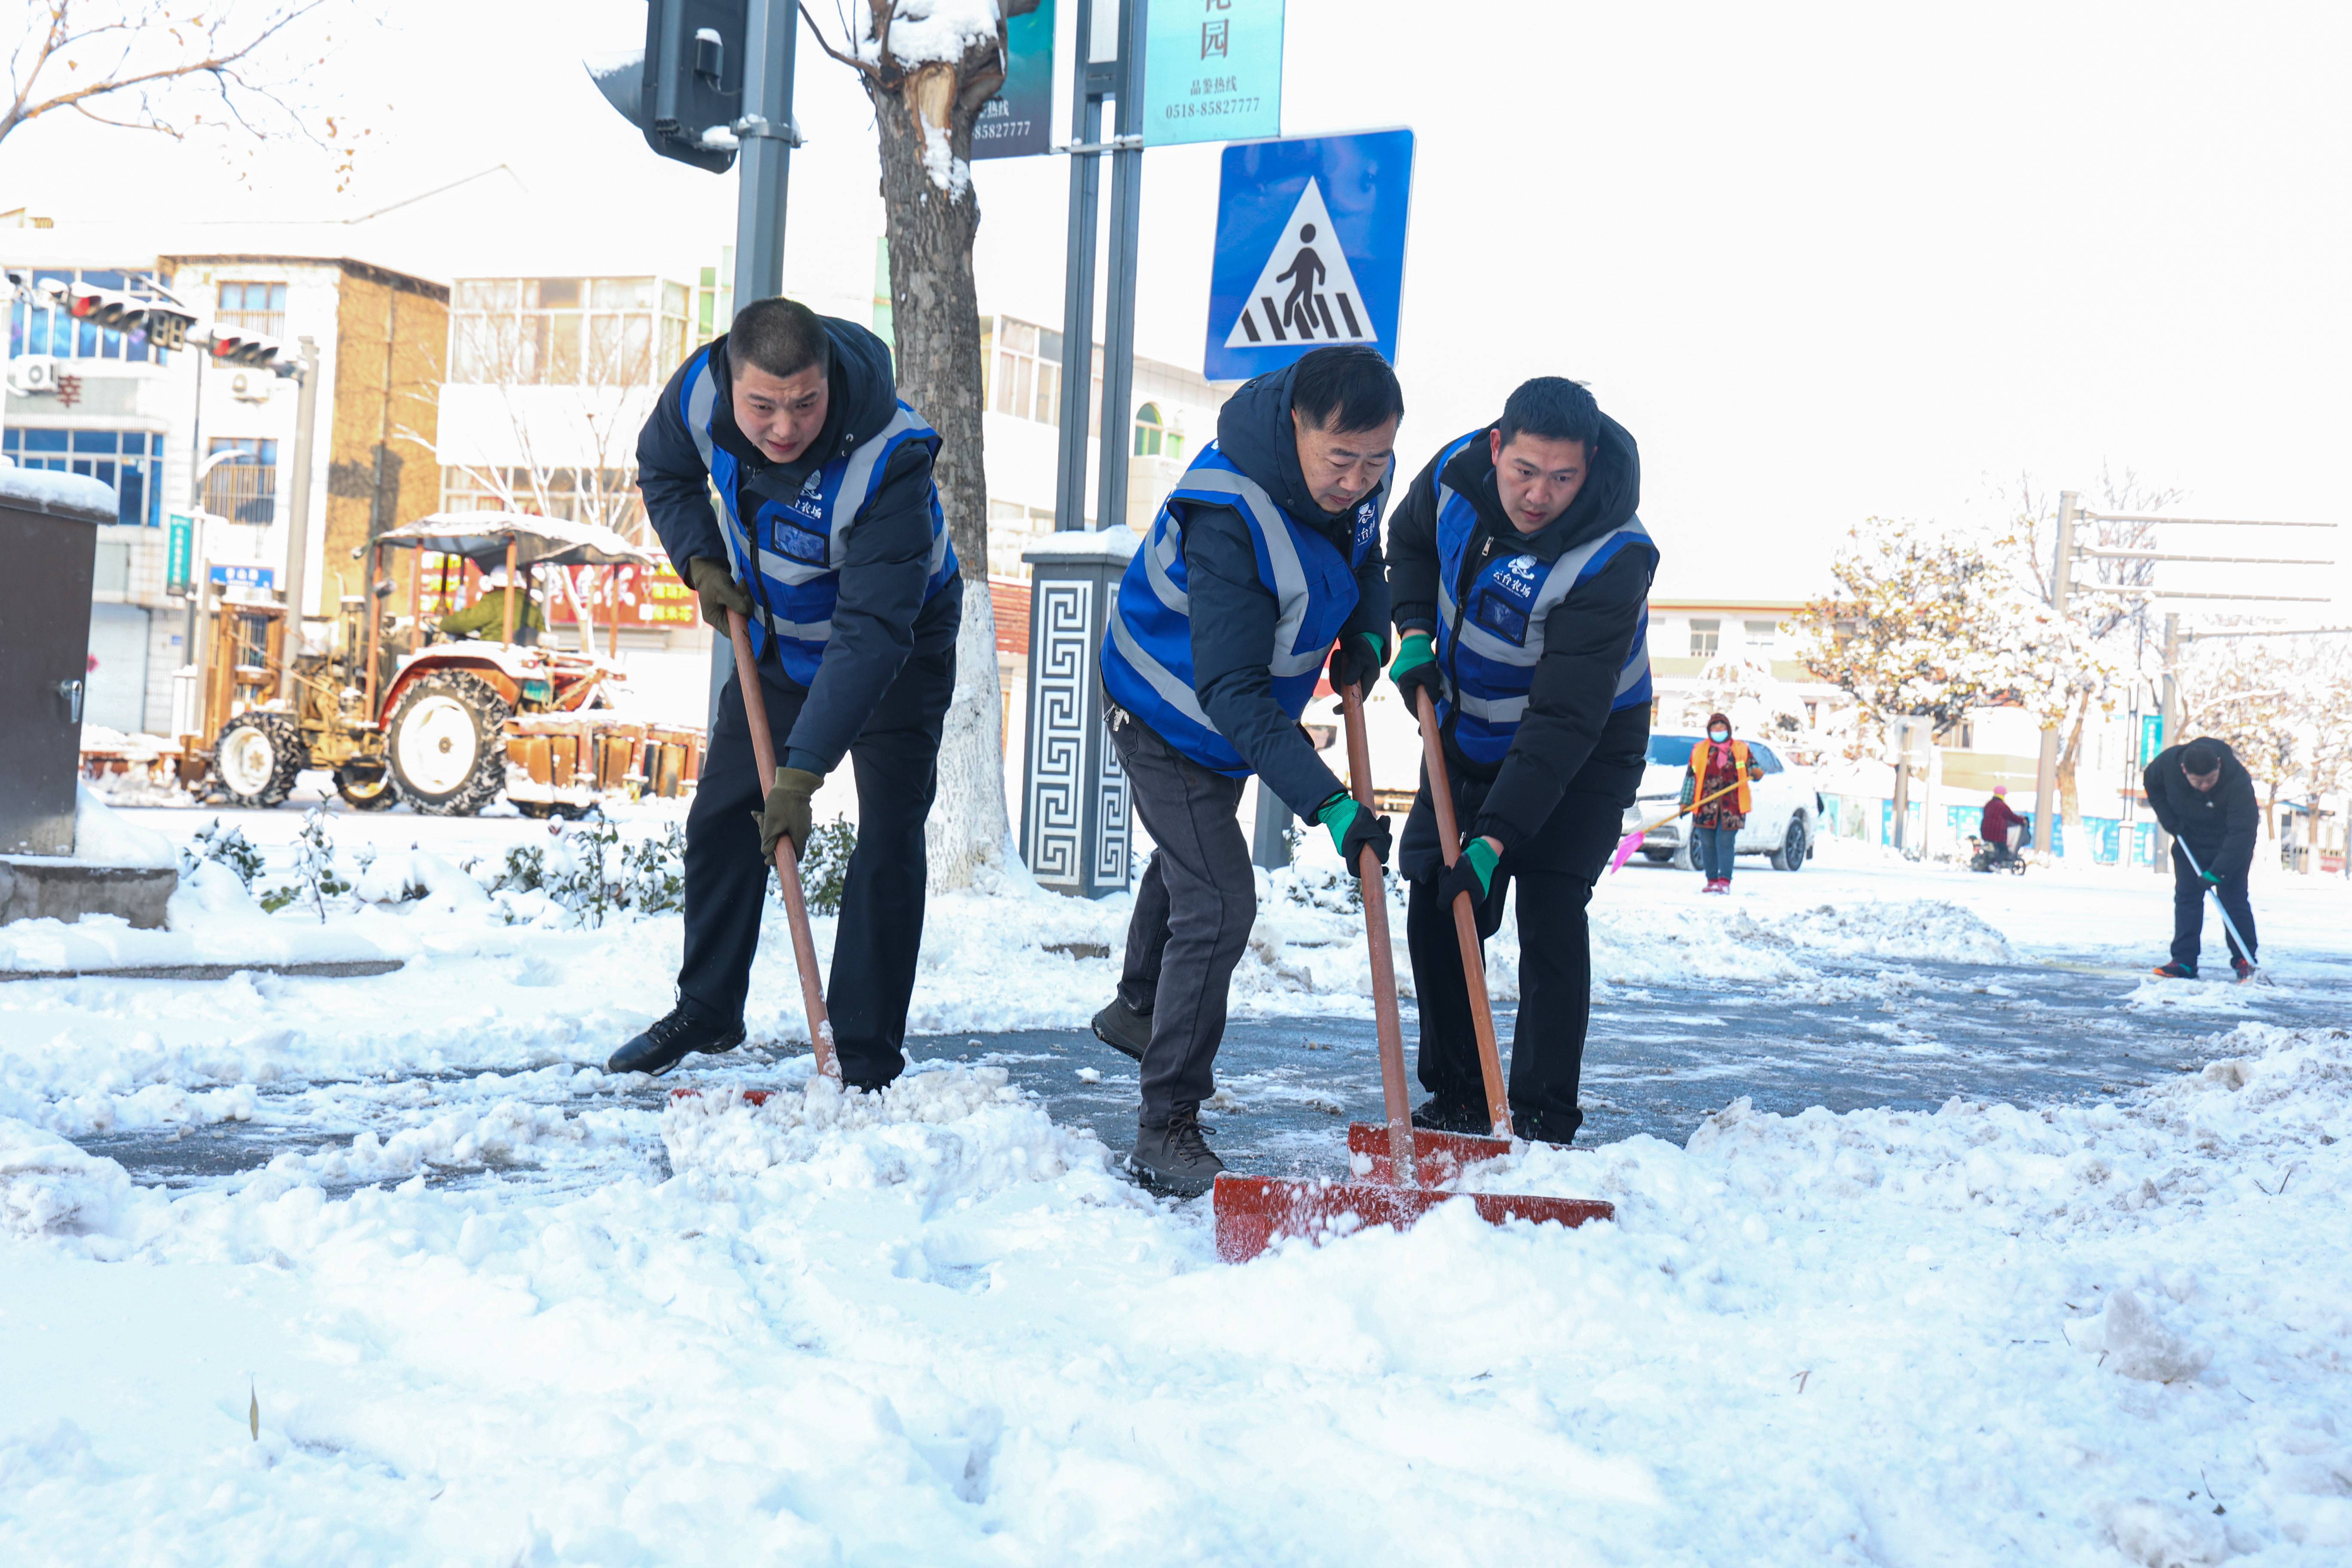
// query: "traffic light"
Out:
[164,322]
[688,82]
[242,348]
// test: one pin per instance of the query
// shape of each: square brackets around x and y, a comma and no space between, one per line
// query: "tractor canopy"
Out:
[484,538]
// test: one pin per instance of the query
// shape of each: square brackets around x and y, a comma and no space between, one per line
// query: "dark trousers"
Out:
[880,929]
[2189,909]
[1713,849]
[1554,871]
[1193,909]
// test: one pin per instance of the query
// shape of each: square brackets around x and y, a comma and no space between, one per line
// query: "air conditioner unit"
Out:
[251,387]
[33,376]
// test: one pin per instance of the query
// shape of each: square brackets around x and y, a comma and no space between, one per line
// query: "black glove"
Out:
[1352,827]
[714,585]
[1356,661]
[1472,872]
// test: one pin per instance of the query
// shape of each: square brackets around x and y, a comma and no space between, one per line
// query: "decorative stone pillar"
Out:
[1074,801]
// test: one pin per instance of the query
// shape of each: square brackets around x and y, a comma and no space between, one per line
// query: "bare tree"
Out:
[172,68]
[928,68]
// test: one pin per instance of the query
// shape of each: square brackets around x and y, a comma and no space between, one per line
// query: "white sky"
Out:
[1824,261]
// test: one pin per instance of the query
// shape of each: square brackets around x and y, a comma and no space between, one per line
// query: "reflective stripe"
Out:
[1637,669]
[1161,552]
[1168,685]
[859,478]
[1282,554]
[702,396]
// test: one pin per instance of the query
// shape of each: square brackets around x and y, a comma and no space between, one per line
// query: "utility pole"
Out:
[768,136]
[2045,767]
[2168,723]
[1074,797]
[298,521]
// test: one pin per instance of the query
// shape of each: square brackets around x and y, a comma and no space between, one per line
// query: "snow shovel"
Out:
[2256,974]
[1633,841]
[1474,965]
[788,869]
[1252,1211]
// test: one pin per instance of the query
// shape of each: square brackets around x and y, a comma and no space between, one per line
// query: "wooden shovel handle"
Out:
[1385,1018]
[788,868]
[1465,923]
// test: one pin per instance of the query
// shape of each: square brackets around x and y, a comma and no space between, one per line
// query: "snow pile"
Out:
[943,1133]
[102,837]
[53,492]
[49,1187]
[1916,929]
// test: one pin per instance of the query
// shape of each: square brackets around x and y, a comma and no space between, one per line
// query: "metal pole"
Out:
[1087,84]
[2045,767]
[2169,708]
[298,520]
[762,168]
[1126,224]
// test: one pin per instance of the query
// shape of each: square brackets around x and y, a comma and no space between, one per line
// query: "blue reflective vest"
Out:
[800,545]
[1490,639]
[1147,654]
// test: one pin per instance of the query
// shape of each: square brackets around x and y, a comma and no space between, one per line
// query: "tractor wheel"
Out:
[257,757]
[366,788]
[447,744]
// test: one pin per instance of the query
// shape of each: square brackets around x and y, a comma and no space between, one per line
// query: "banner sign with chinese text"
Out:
[1018,120]
[1212,71]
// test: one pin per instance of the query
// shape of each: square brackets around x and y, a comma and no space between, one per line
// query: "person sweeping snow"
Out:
[1521,577]
[1264,561]
[2204,797]
[831,543]
[1720,771]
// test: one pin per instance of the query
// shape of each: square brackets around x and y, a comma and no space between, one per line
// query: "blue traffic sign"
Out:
[1310,248]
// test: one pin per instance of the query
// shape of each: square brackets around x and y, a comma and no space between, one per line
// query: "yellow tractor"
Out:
[447,725]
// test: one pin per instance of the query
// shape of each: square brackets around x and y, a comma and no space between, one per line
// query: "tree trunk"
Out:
[935,314]
[2070,803]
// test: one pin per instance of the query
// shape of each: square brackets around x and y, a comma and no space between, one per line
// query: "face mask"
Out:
[1718,735]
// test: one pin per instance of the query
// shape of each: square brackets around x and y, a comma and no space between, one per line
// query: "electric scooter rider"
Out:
[1521,577]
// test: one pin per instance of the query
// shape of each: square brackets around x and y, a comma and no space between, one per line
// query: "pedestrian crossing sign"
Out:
[1310,249]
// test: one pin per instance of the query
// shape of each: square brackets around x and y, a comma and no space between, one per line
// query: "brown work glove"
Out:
[714,585]
[787,812]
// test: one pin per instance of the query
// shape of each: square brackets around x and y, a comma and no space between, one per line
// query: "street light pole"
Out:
[298,520]
[2045,767]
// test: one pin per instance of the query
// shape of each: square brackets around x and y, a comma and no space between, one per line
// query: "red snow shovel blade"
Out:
[1439,1156]
[750,1096]
[1253,1211]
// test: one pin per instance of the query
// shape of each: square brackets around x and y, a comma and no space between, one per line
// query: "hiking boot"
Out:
[670,1038]
[2176,970]
[2244,968]
[1439,1114]
[1537,1129]
[1122,1028]
[1175,1158]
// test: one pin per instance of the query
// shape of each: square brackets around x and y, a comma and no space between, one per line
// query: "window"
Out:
[253,307]
[1761,634]
[1028,373]
[1764,758]
[130,460]
[39,325]
[1011,528]
[243,491]
[1704,636]
[1150,437]
[568,331]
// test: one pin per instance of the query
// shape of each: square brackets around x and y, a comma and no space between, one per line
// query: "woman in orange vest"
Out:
[1717,765]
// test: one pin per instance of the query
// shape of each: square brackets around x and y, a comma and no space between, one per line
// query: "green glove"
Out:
[1477,862]
[714,583]
[1415,666]
[786,815]
[2211,878]
[1352,827]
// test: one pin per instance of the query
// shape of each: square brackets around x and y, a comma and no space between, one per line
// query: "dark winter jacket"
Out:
[882,615]
[1234,614]
[2219,828]
[1997,819]
[1570,740]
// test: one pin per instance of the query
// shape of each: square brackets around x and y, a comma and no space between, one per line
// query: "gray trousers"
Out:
[1193,909]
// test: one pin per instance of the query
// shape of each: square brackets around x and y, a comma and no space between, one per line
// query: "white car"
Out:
[1780,822]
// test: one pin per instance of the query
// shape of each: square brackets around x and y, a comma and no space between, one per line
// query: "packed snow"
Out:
[487,1304]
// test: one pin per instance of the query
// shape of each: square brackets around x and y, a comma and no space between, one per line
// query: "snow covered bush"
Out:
[223,846]
[588,874]
[825,866]
[316,878]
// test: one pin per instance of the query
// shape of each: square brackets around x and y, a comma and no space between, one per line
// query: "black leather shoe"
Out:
[1441,1115]
[1122,1028]
[670,1038]
[1536,1129]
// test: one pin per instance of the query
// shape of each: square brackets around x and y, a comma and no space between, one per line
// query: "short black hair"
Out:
[2202,757]
[782,337]
[1345,388]
[1552,408]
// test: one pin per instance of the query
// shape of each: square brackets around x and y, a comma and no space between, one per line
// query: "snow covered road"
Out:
[493,1306]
